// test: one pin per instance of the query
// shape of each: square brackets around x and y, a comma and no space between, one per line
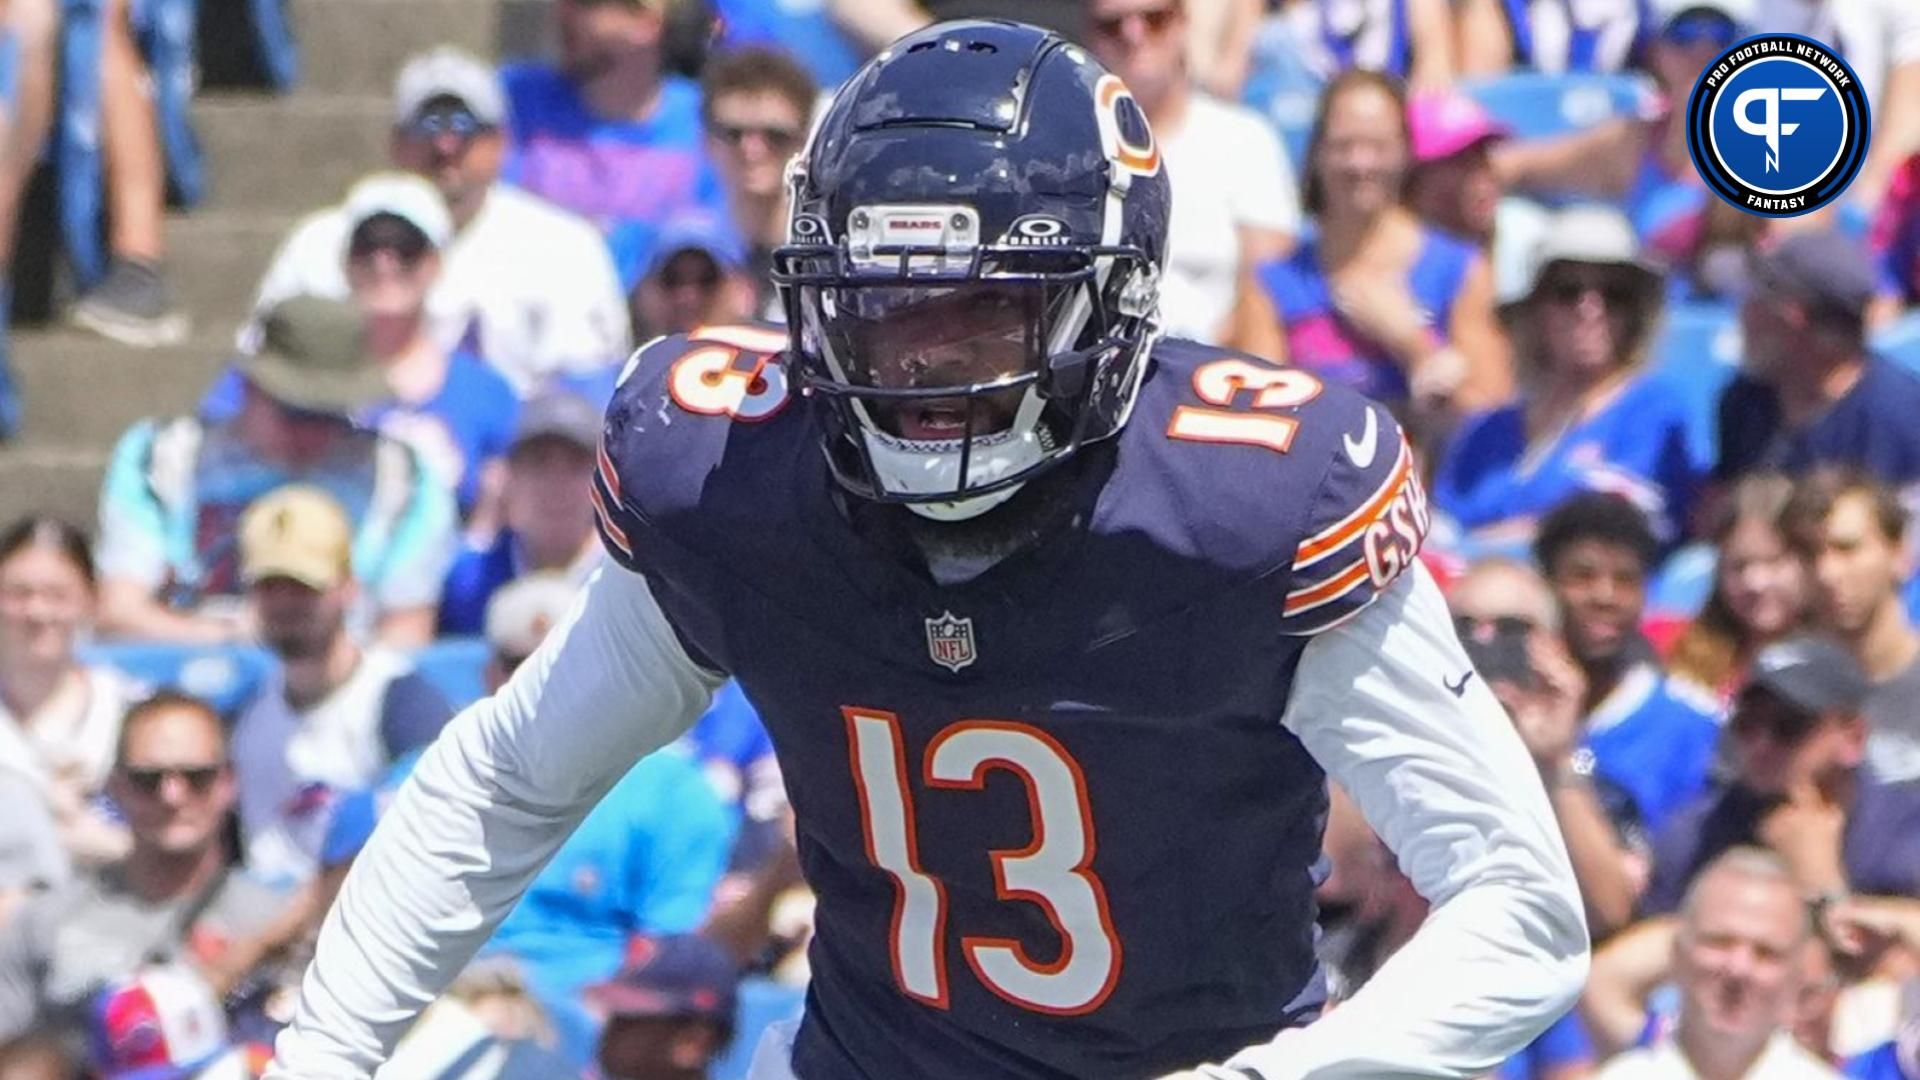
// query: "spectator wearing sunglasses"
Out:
[755,104]
[172,898]
[1590,416]
[696,277]
[525,285]
[1799,787]
[605,132]
[1234,201]
[175,489]
[1810,392]
[334,715]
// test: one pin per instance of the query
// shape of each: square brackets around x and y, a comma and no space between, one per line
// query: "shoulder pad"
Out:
[676,410]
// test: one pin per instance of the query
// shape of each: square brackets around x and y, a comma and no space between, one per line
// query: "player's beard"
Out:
[959,551]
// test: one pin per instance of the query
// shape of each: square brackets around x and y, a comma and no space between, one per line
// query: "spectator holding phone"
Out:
[1596,550]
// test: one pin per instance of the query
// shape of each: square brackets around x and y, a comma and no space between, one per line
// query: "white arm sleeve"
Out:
[1447,784]
[488,805]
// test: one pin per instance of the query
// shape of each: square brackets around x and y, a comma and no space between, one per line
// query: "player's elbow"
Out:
[1564,950]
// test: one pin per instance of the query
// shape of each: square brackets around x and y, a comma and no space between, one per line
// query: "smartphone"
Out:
[1498,649]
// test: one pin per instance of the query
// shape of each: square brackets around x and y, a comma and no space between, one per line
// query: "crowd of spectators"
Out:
[1689,580]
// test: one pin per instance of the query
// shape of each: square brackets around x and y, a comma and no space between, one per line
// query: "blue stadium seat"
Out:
[1537,105]
[223,676]
[1697,349]
[455,667]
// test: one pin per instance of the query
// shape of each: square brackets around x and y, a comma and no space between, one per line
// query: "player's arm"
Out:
[1447,784]
[487,806]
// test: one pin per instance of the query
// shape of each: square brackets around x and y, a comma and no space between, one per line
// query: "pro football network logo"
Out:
[1777,125]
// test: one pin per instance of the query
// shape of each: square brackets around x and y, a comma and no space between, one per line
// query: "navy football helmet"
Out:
[971,277]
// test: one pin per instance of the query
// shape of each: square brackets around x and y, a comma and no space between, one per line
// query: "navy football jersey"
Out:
[1054,822]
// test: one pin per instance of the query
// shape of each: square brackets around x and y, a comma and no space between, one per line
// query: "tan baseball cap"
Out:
[296,532]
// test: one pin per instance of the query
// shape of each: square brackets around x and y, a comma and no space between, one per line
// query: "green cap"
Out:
[313,356]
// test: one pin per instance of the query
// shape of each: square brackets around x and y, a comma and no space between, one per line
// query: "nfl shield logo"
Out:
[950,641]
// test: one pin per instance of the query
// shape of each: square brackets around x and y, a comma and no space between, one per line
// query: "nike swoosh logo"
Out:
[1460,688]
[1361,452]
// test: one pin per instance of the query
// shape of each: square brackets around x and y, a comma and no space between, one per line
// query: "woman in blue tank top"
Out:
[1374,298]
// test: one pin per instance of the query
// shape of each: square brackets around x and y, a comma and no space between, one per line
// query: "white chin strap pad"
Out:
[921,467]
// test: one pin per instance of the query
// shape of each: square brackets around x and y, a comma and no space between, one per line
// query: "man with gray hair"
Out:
[526,285]
[1737,962]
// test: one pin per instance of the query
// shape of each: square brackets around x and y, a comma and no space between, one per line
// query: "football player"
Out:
[1058,643]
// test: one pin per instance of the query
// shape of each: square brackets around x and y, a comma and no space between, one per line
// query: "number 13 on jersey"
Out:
[1052,871]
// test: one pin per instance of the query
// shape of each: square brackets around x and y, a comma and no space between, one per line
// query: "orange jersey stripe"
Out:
[1329,540]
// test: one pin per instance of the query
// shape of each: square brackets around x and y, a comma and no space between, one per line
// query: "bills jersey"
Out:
[1053,819]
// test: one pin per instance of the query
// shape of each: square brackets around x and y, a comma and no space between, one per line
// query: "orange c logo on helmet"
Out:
[1123,127]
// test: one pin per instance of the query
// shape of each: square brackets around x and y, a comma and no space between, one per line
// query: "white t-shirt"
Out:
[1783,1059]
[1872,36]
[1228,170]
[533,283]
[78,747]
[291,766]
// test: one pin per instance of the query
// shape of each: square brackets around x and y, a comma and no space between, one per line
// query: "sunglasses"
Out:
[1157,20]
[1469,626]
[777,138]
[148,781]
[1701,28]
[1570,290]
[389,232]
[458,122]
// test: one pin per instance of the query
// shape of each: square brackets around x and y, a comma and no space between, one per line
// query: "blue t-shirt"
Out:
[1871,427]
[643,862]
[1880,1063]
[477,571]
[468,423]
[1319,340]
[1653,743]
[1565,1043]
[1636,444]
[730,733]
[628,177]
[800,27]
[403,540]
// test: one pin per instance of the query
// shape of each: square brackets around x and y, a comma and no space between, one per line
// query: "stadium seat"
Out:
[1537,105]
[455,667]
[223,676]
[1697,350]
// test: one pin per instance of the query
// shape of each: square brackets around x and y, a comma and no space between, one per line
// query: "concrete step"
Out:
[82,391]
[215,259]
[357,46]
[289,153]
[62,483]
